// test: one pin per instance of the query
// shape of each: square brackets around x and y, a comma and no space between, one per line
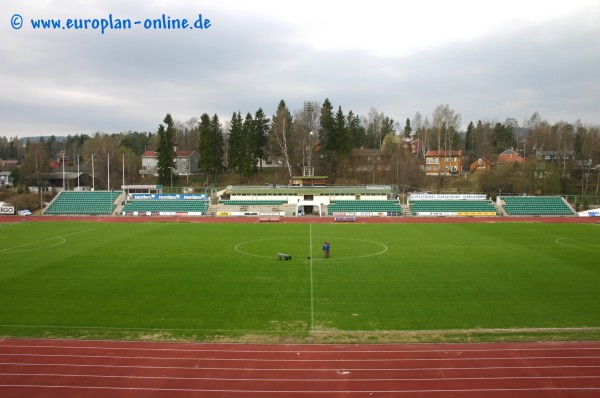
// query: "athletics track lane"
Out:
[67,368]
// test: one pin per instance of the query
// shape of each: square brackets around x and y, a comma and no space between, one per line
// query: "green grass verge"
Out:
[223,282]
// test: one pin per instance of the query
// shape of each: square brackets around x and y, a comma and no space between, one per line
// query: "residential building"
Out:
[443,162]
[555,156]
[481,166]
[186,163]
[510,156]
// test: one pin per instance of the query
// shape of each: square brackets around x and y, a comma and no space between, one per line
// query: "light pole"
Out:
[310,140]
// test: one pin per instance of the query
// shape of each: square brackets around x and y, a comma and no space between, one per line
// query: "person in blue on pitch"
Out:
[326,247]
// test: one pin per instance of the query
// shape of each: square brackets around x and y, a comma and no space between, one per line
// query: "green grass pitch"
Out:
[223,282]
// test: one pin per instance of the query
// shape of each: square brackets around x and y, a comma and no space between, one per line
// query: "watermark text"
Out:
[110,22]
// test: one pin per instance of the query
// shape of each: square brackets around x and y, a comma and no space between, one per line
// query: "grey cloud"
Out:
[74,82]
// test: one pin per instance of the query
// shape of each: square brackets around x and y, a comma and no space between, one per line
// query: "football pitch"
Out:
[223,281]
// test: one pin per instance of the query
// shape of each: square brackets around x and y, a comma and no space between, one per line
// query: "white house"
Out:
[186,163]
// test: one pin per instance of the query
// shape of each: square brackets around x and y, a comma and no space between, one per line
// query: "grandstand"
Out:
[536,206]
[366,207]
[289,200]
[83,203]
[451,205]
[165,204]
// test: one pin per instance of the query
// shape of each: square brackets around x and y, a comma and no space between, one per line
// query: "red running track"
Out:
[67,368]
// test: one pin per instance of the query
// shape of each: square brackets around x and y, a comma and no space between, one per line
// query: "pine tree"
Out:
[248,158]
[261,134]
[342,136]
[205,146]
[166,150]
[236,145]
[356,132]
[327,126]
[407,129]
[217,145]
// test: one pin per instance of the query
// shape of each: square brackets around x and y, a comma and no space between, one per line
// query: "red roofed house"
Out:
[509,156]
[481,166]
[443,162]
[186,163]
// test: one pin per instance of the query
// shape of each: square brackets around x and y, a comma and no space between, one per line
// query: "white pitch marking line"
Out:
[277,351]
[344,360]
[61,237]
[312,290]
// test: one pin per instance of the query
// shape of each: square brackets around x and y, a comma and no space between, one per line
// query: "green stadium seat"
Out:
[83,203]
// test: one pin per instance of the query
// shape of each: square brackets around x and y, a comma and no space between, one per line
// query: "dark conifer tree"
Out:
[166,151]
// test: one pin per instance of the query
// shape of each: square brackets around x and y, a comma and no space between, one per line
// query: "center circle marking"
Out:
[381,248]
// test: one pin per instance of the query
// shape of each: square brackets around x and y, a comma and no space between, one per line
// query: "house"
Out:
[8,164]
[443,162]
[186,163]
[62,157]
[481,166]
[5,179]
[509,156]
[555,156]
[56,180]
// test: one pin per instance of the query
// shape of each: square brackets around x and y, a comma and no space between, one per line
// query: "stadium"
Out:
[199,275]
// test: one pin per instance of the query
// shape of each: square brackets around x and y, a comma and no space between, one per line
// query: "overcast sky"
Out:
[487,60]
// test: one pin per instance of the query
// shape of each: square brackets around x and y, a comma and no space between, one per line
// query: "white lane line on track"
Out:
[320,392]
[12,364]
[286,379]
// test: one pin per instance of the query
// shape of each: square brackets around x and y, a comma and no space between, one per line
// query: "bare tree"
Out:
[445,125]
[306,124]
[374,128]
[35,162]
[281,137]
[107,159]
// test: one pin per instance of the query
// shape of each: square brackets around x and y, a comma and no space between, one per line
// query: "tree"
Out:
[343,144]
[260,134]
[210,144]
[421,128]
[407,129]
[374,129]
[187,134]
[388,127]
[538,136]
[470,142]
[130,165]
[249,159]
[166,150]
[35,162]
[236,148]
[137,142]
[502,137]
[445,127]
[305,136]
[105,151]
[356,132]
[326,135]
[280,137]
[204,145]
